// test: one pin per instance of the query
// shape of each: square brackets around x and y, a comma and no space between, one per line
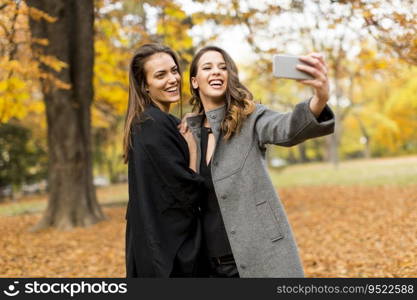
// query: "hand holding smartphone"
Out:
[284,66]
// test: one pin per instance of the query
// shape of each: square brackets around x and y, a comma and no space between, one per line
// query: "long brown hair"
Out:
[238,99]
[138,97]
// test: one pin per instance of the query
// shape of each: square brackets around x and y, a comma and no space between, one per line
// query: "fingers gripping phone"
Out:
[284,66]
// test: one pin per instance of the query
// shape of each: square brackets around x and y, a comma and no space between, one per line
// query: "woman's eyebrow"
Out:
[159,72]
[217,63]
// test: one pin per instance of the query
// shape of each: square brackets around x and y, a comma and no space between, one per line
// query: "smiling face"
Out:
[211,77]
[163,80]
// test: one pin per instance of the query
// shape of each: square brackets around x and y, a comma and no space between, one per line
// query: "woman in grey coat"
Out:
[245,228]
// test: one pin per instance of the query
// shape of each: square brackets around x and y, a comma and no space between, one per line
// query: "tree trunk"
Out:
[302,148]
[72,198]
[317,145]
[334,144]
[291,157]
[335,137]
[366,136]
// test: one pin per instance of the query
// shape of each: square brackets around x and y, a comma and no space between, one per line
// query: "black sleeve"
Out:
[168,155]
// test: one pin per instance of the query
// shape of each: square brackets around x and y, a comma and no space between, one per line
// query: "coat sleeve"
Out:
[292,128]
[167,155]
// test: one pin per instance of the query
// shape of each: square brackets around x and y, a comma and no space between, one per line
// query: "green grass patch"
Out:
[113,195]
[370,172]
[390,171]
[23,207]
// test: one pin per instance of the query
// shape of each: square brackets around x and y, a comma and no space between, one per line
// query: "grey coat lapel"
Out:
[215,118]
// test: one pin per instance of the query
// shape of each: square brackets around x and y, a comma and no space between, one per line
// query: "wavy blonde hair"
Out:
[238,99]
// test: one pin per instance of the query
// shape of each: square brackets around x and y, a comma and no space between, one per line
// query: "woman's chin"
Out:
[217,97]
[172,100]
[175,100]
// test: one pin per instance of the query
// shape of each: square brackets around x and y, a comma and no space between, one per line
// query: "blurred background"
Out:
[351,197]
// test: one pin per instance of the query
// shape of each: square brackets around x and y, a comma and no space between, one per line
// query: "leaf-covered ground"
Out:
[341,232]
[355,231]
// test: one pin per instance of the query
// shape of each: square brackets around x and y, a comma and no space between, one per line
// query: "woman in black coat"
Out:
[163,232]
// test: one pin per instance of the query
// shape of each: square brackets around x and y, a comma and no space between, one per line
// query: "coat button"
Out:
[223,197]
[232,231]
[213,117]
[215,163]
[243,266]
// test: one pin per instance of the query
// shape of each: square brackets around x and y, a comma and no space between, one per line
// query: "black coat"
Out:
[163,230]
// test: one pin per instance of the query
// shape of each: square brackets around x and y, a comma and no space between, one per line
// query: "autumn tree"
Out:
[120,28]
[69,35]
[18,70]
[22,150]
[360,39]
[393,24]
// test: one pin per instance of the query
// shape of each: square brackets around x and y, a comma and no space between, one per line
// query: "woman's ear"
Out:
[194,83]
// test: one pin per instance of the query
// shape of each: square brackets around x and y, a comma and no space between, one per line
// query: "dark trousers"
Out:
[209,267]
[224,270]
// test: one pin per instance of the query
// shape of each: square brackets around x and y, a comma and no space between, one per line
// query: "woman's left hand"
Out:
[192,148]
[318,69]
[183,126]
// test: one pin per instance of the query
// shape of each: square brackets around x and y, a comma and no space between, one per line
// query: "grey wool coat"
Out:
[260,236]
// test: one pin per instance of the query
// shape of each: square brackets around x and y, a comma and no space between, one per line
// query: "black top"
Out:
[163,228]
[214,234]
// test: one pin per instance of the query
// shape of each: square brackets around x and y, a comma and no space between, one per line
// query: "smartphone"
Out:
[284,66]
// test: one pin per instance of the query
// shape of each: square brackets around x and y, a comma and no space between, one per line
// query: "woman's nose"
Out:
[215,71]
[172,78]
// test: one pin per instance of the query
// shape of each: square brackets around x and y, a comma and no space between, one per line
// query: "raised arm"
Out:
[288,129]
